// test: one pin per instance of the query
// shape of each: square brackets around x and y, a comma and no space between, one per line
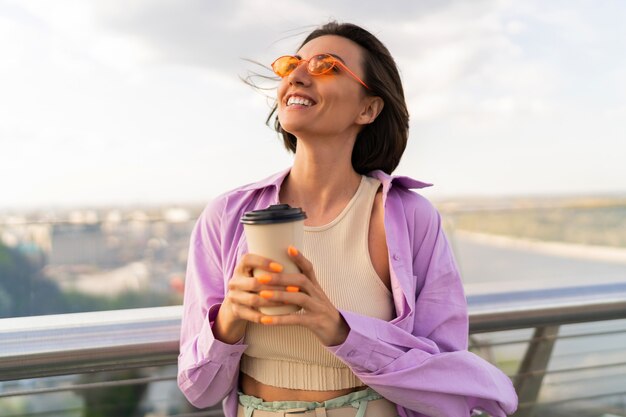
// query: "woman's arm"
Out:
[215,317]
[207,367]
[428,368]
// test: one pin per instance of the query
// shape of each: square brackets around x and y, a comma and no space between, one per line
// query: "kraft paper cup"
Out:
[269,233]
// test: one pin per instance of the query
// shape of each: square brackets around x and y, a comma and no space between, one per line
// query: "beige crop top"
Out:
[291,356]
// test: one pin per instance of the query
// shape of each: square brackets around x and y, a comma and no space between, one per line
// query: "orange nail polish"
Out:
[291,288]
[267,320]
[264,279]
[292,251]
[276,267]
[266,294]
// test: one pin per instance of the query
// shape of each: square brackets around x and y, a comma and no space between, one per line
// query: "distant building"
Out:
[80,244]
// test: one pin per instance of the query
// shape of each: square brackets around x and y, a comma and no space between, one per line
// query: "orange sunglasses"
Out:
[316,65]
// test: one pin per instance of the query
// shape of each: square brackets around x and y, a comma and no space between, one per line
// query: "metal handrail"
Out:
[38,346]
[32,347]
[546,307]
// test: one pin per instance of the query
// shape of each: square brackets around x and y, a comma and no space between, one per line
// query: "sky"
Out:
[122,103]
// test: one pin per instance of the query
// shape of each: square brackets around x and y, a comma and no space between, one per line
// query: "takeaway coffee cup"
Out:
[269,233]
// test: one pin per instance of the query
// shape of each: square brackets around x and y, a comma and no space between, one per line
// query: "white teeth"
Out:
[299,100]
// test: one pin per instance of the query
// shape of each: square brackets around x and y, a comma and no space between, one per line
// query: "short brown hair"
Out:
[379,145]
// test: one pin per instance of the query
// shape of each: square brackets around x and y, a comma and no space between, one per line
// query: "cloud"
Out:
[492,86]
[215,34]
[438,44]
[476,64]
[198,33]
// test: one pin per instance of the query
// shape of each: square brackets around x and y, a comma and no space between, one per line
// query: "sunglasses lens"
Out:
[321,64]
[317,65]
[284,65]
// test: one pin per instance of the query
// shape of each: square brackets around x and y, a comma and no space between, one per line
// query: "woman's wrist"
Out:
[226,328]
[342,329]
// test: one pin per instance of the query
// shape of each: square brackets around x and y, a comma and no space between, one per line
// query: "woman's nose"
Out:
[300,75]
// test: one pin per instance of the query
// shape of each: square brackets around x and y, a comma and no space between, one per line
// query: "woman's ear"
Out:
[373,106]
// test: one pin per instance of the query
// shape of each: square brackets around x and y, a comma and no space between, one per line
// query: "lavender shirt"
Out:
[418,360]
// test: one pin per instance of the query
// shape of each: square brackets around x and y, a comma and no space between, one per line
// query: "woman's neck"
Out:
[322,180]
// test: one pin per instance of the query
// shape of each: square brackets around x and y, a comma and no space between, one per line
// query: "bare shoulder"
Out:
[378,239]
[378,211]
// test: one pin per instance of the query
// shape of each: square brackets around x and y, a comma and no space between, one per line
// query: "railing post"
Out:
[532,369]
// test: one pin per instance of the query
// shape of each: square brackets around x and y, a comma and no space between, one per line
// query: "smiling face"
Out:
[328,104]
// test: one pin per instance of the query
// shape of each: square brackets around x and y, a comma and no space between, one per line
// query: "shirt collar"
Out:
[387,180]
[274,180]
[406,182]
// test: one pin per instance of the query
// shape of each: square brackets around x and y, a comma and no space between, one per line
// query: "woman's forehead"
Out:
[348,50]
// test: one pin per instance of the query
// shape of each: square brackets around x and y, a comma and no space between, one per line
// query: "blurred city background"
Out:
[119,122]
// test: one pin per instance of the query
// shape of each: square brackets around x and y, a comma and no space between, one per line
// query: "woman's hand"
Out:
[242,299]
[319,316]
[245,295]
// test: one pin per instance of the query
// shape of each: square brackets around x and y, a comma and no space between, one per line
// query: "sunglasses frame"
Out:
[336,62]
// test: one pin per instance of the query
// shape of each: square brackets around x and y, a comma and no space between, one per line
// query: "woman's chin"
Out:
[297,128]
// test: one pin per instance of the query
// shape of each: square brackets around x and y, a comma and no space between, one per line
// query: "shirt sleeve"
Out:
[428,369]
[207,367]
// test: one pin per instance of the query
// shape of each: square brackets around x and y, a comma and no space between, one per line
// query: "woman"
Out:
[383,327]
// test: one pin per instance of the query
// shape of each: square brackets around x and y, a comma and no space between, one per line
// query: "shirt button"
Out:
[396,257]
[234,354]
[351,353]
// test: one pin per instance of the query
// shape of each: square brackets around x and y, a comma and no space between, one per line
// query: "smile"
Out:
[300,101]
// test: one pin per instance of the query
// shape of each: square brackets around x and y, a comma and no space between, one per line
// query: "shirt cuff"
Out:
[357,351]
[214,350]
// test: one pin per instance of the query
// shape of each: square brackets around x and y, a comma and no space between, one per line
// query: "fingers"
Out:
[246,313]
[269,281]
[291,295]
[285,319]
[249,262]
[244,293]
[266,281]
[318,315]
[245,305]
[306,320]
[242,283]
[250,299]
[302,263]
[272,288]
